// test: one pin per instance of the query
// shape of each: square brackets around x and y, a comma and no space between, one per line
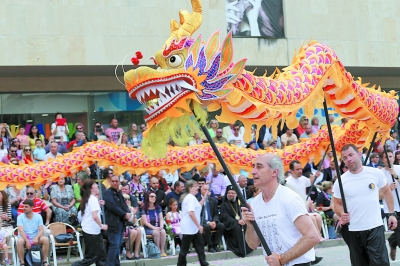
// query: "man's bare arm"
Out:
[387,194]
[338,206]
[308,240]
[251,237]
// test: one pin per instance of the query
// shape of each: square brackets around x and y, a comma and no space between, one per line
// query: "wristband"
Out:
[280,259]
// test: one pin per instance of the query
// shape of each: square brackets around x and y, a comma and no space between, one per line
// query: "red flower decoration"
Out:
[139,55]
[135,61]
[168,221]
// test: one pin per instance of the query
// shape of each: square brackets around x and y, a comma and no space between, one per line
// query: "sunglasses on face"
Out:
[30,193]
[13,151]
[79,128]
[152,196]
[27,149]
[236,129]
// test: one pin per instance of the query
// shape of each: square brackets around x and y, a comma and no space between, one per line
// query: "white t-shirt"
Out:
[361,192]
[276,221]
[3,153]
[89,225]
[299,184]
[60,131]
[389,180]
[238,141]
[190,203]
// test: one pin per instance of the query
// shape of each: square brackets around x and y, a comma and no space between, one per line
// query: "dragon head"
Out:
[190,73]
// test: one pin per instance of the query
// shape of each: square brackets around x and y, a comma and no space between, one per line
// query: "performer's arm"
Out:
[338,206]
[251,236]
[308,240]
[387,195]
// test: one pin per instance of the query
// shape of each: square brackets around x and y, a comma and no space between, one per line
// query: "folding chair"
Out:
[10,241]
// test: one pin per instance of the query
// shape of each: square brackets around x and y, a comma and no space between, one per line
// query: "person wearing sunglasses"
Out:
[27,157]
[236,138]
[12,153]
[39,206]
[302,126]
[79,128]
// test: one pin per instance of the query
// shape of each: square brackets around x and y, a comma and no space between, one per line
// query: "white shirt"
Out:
[276,221]
[61,131]
[361,192]
[89,225]
[238,141]
[299,184]
[190,203]
[50,156]
[3,153]
[389,180]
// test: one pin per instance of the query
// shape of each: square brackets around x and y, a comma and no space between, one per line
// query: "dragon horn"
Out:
[189,23]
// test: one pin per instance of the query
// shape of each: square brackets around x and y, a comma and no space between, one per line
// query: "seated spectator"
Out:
[31,232]
[60,130]
[242,182]
[134,136]
[62,148]
[143,127]
[63,200]
[15,197]
[213,126]
[123,140]
[80,138]
[53,152]
[138,189]
[44,191]
[196,140]
[97,132]
[5,210]
[302,126]
[23,139]
[170,177]
[307,132]
[20,148]
[179,188]
[288,138]
[27,155]
[79,128]
[33,135]
[72,145]
[12,153]
[39,206]
[314,125]
[174,217]
[163,185]
[272,144]
[153,221]
[218,182]
[3,244]
[252,145]
[133,234]
[161,199]
[185,176]
[323,201]
[236,139]
[39,152]
[219,139]
[210,221]
[254,191]
[200,183]
[3,151]
[5,135]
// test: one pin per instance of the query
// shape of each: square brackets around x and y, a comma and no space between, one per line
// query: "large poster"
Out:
[255,18]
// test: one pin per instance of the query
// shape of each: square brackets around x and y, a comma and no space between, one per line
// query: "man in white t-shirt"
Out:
[281,215]
[390,173]
[297,181]
[366,239]
[236,138]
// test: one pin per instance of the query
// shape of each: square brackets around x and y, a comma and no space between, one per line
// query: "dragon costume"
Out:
[193,74]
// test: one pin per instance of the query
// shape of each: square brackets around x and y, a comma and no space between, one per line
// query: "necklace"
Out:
[237,217]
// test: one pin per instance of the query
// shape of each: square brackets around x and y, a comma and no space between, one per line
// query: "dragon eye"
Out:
[174,61]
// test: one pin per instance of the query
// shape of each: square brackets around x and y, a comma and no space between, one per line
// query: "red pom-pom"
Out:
[139,55]
[135,61]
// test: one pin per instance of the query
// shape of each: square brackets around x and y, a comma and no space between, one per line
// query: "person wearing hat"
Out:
[252,145]
[392,142]
[271,144]
[235,226]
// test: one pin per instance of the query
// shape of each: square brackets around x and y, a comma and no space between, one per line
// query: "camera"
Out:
[98,129]
[57,138]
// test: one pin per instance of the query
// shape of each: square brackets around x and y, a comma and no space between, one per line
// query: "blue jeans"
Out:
[115,240]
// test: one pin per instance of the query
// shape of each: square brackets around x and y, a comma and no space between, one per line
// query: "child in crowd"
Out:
[173,217]
[39,152]
[3,245]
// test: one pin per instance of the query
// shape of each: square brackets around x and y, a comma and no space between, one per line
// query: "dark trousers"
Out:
[198,244]
[220,229]
[94,250]
[394,239]
[368,247]
[115,241]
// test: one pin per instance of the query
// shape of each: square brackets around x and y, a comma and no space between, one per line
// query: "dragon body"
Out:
[193,75]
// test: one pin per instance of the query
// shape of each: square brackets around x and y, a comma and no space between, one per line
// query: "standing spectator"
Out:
[361,188]
[97,132]
[397,158]
[95,251]
[219,139]
[5,211]
[80,138]
[117,212]
[302,126]
[12,154]
[299,182]
[288,138]
[236,138]
[190,225]
[3,151]
[161,198]
[39,153]
[6,135]
[314,125]
[393,142]
[31,230]
[62,197]
[283,215]
[123,140]
[138,189]
[242,182]
[374,161]
[20,148]
[113,132]
[134,136]
[179,187]
[33,136]
[79,128]
[60,129]
[23,139]
[307,132]
[218,182]
[39,206]
[27,157]
[81,177]
[228,130]
[153,221]
[212,128]
[53,152]
[15,197]
[210,221]
[143,127]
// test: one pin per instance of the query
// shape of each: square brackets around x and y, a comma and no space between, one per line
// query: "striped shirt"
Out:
[6,223]
[38,206]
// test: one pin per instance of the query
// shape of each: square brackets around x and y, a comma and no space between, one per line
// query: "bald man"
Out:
[281,215]
[161,198]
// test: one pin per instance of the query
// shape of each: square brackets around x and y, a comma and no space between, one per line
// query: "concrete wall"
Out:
[101,32]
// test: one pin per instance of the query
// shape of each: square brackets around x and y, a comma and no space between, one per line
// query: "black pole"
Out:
[101,192]
[370,148]
[235,186]
[390,166]
[339,179]
[319,170]
[244,239]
